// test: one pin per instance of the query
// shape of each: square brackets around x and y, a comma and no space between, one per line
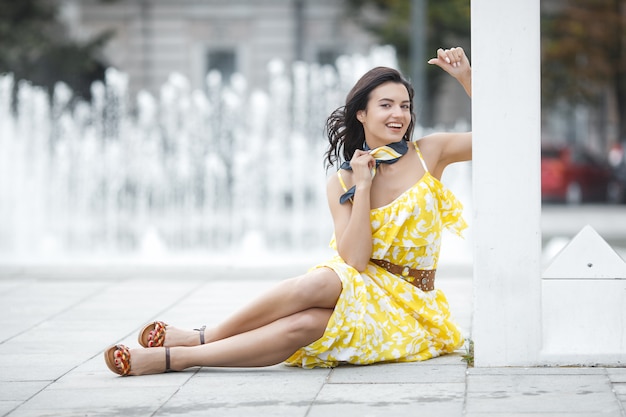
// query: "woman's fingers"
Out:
[459,54]
[451,56]
[362,161]
[363,157]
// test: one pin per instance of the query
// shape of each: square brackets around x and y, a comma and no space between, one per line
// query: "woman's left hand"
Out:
[452,60]
[455,62]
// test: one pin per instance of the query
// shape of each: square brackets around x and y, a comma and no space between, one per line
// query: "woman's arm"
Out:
[443,149]
[455,62]
[353,231]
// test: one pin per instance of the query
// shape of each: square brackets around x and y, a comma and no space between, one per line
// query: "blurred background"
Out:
[149,128]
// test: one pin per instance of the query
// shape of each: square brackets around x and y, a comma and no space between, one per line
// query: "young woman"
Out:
[375,301]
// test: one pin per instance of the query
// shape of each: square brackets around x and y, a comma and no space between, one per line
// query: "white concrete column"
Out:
[507,198]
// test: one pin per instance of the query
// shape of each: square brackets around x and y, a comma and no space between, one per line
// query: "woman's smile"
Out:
[388,114]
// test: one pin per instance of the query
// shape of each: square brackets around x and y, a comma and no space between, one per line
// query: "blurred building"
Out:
[154,38]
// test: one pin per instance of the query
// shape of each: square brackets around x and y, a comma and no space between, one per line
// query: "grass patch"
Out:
[469,354]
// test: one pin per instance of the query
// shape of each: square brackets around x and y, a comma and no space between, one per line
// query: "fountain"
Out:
[212,170]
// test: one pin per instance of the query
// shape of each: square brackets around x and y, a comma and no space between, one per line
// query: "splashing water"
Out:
[216,169]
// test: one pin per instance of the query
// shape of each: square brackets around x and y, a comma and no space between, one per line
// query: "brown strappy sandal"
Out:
[117,358]
[153,334]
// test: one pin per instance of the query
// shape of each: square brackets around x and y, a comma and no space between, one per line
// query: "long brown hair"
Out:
[345,133]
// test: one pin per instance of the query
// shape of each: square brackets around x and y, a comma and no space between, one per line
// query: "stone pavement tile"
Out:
[21,390]
[539,370]
[136,300]
[619,388]
[57,338]
[9,285]
[542,414]
[400,373]
[7,406]
[620,392]
[361,400]
[273,391]
[540,390]
[616,374]
[49,311]
[191,407]
[7,270]
[29,305]
[97,401]
[95,374]
[16,367]
[91,389]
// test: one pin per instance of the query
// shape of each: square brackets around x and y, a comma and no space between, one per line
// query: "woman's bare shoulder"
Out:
[431,145]
[341,175]
[433,139]
[339,181]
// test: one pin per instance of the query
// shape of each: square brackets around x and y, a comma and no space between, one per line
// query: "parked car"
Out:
[617,161]
[573,175]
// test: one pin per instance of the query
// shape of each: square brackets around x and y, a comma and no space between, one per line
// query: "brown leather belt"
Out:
[424,279]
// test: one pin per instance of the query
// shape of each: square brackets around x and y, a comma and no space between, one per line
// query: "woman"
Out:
[375,300]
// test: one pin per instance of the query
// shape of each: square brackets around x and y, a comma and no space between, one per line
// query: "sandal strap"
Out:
[157,338]
[122,353]
[201,330]
[167,359]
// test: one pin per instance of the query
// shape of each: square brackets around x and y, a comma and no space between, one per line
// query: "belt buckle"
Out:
[405,271]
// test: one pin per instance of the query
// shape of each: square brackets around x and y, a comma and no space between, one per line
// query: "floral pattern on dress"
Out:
[379,317]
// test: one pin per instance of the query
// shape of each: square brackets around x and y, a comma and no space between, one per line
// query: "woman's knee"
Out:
[321,287]
[309,325]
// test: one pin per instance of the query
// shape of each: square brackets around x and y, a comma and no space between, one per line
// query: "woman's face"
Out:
[387,116]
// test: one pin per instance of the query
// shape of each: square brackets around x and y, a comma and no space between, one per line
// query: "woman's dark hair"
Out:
[345,132]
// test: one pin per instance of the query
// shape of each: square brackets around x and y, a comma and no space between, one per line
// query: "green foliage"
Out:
[584,53]
[34,46]
[581,47]
[468,357]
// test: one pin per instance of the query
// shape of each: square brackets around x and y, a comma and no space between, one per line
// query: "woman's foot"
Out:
[124,361]
[158,333]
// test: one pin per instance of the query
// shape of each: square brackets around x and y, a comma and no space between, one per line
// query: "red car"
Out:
[574,175]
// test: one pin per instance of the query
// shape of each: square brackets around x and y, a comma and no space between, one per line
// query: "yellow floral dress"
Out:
[379,316]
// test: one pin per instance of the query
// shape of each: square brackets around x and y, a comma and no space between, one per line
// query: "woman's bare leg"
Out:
[263,346]
[319,288]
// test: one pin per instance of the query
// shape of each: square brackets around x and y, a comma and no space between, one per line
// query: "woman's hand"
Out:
[353,231]
[362,164]
[455,62]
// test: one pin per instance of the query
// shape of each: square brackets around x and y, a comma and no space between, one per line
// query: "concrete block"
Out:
[584,304]
[586,256]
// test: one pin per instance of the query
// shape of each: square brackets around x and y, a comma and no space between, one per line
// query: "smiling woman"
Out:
[391,111]
[375,300]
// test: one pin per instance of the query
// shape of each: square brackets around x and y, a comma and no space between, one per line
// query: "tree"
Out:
[584,56]
[448,24]
[34,46]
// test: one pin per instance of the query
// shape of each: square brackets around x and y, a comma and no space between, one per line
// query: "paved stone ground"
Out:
[57,320]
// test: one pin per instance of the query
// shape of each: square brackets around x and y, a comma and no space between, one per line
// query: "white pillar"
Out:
[507,199]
